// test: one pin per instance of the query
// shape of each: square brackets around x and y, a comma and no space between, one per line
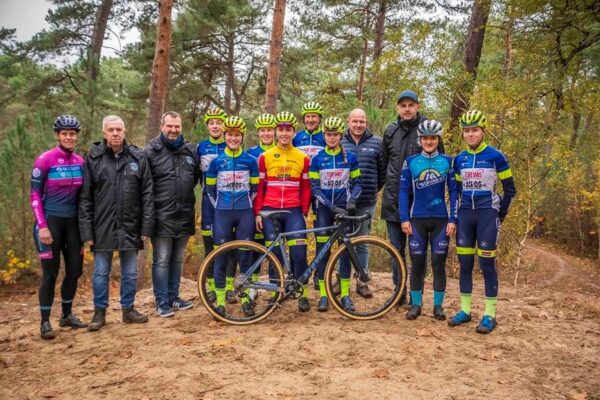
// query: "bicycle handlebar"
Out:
[354,218]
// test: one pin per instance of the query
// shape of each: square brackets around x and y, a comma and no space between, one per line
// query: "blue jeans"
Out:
[362,250]
[398,239]
[167,264]
[102,265]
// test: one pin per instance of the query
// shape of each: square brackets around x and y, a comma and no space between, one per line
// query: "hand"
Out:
[89,242]
[45,236]
[407,228]
[338,211]
[143,237]
[259,224]
[351,207]
[450,229]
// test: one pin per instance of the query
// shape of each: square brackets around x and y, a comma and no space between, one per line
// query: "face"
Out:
[67,139]
[171,127]
[430,143]
[233,139]
[284,134]
[215,128]
[473,136]
[311,121]
[357,123]
[332,139]
[114,133]
[266,135]
[407,109]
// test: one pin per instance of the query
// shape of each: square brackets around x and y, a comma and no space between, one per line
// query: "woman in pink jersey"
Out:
[56,179]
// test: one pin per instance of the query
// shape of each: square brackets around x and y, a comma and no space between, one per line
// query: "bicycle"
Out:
[266,293]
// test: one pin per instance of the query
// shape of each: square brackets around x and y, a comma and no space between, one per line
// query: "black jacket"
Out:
[116,205]
[368,151]
[399,142]
[175,173]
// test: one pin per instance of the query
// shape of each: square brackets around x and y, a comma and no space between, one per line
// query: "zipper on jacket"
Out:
[473,190]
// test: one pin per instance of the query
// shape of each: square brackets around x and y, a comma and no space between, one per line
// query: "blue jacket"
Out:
[208,150]
[333,180]
[423,187]
[256,151]
[232,180]
[368,151]
[310,143]
[477,172]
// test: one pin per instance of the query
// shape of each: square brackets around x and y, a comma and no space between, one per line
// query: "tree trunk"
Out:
[360,90]
[229,73]
[275,50]
[378,48]
[506,68]
[472,55]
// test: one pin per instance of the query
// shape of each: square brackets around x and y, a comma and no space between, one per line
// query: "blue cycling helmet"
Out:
[66,123]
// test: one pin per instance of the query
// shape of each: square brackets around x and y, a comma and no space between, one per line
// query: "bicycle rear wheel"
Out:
[387,279]
[259,291]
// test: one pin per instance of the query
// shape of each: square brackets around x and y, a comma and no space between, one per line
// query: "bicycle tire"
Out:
[386,292]
[229,316]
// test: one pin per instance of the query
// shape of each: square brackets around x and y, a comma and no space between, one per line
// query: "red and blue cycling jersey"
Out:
[477,172]
[56,179]
[334,177]
[232,180]
[309,143]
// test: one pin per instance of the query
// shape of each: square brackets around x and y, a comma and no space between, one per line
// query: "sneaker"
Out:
[363,290]
[211,296]
[323,304]
[164,310]
[486,325]
[179,304]
[303,304]
[438,313]
[133,316]
[230,297]
[316,282]
[98,320]
[347,304]
[247,308]
[46,331]
[413,312]
[72,321]
[459,319]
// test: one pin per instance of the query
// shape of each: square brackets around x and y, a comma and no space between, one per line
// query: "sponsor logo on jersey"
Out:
[133,166]
[61,160]
[473,174]
[36,173]
[428,178]
[189,160]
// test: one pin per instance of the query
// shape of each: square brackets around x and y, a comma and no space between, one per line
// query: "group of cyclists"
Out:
[327,168]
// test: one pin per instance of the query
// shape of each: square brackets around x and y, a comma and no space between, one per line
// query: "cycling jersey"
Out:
[256,151]
[56,179]
[423,187]
[231,180]
[477,172]
[334,180]
[284,181]
[208,150]
[309,143]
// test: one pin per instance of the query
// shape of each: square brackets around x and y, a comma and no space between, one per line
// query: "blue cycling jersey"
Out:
[334,180]
[310,143]
[256,151]
[423,185]
[477,172]
[208,150]
[232,180]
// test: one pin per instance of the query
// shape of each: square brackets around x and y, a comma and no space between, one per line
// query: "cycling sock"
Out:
[254,277]
[229,283]
[220,296]
[305,292]
[465,303]
[344,287]
[211,284]
[322,290]
[438,298]
[490,306]
[66,307]
[45,314]
[417,297]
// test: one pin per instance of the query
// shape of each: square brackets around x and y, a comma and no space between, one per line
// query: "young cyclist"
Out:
[284,185]
[231,182]
[424,215]
[480,214]
[56,180]
[335,181]
[208,150]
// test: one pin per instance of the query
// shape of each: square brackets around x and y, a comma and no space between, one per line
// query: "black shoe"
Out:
[438,313]
[221,311]
[132,316]
[364,290]
[211,296]
[98,320]
[247,308]
[46,331]
[316,282]
[413,312]
[72,321]
[303,304]
[231,297]
[323,304]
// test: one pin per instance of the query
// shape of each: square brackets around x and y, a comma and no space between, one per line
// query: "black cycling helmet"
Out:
[66,123]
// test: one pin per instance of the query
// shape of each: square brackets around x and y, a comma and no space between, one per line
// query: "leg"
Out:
[439,252]
[487,235]
[297,246]
[222,233]
[365,229]
[128,261]
[72,253]
[418,252]
[465,249]
[50,259]
[324,218]
[161,254]
[176,267]
[398,239]
[207,218]
[100,278]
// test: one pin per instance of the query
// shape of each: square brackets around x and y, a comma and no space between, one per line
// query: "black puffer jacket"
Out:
[116,205]
[368,151]
[175,173]
[399,142]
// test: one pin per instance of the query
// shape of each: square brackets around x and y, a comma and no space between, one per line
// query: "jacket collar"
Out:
[364,137]
[482,147]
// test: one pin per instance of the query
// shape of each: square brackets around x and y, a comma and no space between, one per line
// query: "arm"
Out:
[262,185]
[508,185]
[355,180]
[38,181]
[147,200]
[254,178]
[210,182]
[406,190]
[315,183]
[457,177]
[305,192]
[381,168]
[85,212]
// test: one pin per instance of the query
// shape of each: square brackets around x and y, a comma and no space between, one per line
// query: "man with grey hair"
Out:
[116,213]
[175,169]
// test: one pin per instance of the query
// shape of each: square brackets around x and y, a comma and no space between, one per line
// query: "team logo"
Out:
[484,244]
[61,160]
[134,166]
[189,160]
[443,243]
[414,244]
[36,172]
[276,155]
[428,178]
[461,241]
[35,203]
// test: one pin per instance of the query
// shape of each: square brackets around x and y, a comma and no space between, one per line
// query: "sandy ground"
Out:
[547,346]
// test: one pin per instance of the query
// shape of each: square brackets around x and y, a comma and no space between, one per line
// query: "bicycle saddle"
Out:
[273,213]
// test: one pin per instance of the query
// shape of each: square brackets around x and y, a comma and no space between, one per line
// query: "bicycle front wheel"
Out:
[250,297]
[387,279]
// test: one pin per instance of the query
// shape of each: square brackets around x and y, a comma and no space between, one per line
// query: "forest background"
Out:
[531,66]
